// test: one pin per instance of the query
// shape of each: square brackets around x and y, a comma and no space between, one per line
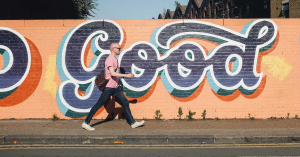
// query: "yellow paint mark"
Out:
[49,84]
[118,142]
[278,67]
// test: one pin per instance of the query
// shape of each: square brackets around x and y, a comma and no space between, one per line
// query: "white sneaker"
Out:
[137,124]
[87,127]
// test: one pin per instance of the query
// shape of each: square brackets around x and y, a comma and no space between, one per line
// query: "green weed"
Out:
[54,117]
[251,118]
[203,114]
[180,113]
[190,115]
[158,115]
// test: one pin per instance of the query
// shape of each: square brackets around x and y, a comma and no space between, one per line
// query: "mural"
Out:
[229,67]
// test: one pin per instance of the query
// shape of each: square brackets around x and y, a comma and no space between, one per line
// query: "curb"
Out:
[142,140]
[257,139]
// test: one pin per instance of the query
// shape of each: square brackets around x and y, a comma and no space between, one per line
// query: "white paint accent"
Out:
[263,32]
[133,68]
[141,56]
[180,68]
[187,57]
[239,58]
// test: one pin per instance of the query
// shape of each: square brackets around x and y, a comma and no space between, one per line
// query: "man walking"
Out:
[112,88]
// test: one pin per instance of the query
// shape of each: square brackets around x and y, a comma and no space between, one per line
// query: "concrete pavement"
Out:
[169,132]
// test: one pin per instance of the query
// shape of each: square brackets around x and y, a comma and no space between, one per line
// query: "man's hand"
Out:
[130,75]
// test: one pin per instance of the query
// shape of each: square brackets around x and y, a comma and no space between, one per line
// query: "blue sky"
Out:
[133,9]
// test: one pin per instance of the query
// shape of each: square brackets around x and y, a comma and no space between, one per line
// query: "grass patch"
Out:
[54,117]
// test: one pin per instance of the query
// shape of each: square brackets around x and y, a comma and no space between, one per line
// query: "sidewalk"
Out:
[169,132]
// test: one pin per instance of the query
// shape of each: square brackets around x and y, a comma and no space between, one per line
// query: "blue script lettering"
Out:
[182,68]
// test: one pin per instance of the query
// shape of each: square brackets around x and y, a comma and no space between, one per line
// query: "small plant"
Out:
[203,114]
[281,118]
[288,116]
[217,118]
[296,116]
[180,113]
[190,115]
[145,119]
[54,117]
[249,116]
[158,115]
[273,117]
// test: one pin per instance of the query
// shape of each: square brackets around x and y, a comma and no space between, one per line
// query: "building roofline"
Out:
[170,13]
[160,16]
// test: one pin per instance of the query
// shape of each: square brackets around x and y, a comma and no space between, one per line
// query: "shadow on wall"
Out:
[113,109]
[25,90]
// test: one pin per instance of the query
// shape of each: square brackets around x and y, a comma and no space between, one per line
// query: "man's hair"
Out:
[112,45]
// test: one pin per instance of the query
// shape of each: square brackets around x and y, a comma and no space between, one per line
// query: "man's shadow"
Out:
[114,109]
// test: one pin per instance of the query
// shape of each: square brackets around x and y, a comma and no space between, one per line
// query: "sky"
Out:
[133,9]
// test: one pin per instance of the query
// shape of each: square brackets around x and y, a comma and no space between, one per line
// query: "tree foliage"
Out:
[46,9]
[164,12]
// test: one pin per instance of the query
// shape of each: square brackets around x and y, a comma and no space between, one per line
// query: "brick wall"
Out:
[49,67]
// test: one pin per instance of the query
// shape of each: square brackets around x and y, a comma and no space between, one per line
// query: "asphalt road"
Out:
[288,150]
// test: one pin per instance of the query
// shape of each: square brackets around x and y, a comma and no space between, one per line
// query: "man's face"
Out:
[117,49]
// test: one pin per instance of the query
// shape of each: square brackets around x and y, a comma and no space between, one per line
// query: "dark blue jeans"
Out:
[120,97]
